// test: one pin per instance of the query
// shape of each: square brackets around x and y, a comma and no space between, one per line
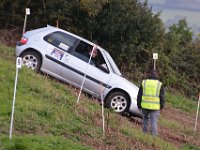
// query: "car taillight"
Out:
[23,40]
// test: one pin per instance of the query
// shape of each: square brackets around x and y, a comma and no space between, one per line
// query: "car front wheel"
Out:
[118,101]
[32,60]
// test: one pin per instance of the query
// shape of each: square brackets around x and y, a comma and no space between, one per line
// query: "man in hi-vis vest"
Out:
[151,100]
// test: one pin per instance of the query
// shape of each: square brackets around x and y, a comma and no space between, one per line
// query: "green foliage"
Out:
[190,147]
[178,38]
[184,59]
[148,140]
[39,143]
[129,30]
[181,102]
[12,12]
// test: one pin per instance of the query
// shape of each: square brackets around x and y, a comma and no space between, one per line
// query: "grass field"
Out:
[47,117]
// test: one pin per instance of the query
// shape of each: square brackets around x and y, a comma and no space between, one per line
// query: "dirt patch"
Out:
[180,128]
[177,130]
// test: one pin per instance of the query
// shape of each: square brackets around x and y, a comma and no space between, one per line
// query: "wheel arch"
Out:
[32,49]
[118,90]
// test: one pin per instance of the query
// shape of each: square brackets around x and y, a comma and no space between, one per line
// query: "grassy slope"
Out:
[47,116]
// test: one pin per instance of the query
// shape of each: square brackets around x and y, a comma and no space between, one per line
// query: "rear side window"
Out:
[60,40]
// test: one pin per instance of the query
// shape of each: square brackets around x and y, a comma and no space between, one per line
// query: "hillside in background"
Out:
[174,10]
[47,117]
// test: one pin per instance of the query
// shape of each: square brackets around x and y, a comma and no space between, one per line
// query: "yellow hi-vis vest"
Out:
[151,91]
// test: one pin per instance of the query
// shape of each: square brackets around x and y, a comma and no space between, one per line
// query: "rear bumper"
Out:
[19,49]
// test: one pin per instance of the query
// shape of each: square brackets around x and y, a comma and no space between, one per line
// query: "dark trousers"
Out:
[152,116]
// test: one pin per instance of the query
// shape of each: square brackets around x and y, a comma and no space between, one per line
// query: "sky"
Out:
[174,10]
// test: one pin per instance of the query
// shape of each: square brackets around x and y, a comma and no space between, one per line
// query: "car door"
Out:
[97,75]
[96,80]
[57,47]
[94,77]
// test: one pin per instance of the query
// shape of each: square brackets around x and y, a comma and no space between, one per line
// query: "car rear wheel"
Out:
[32,60]
[118,101]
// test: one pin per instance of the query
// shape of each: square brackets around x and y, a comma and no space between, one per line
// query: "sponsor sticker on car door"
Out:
[57,54]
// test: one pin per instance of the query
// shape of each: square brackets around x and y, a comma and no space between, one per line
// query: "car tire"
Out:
[118,101]
[32,60]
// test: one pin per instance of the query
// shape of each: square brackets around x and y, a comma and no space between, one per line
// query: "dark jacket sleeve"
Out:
[162,99]
[139,97]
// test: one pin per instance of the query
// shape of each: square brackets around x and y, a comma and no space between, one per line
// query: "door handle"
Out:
[66,57]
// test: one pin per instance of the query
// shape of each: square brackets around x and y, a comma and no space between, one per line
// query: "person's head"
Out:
[94,53]
[153,74]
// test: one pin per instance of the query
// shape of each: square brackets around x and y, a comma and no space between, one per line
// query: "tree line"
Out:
[128,29]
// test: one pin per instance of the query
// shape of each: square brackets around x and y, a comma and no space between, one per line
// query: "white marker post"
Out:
[197,114]
[84,77]
[25,19]
[155,56]
[18,66]
[102,109]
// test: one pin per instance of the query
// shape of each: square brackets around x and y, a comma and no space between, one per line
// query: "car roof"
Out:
[74,35]
[54,29]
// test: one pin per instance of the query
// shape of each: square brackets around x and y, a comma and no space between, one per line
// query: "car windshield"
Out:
[112,64]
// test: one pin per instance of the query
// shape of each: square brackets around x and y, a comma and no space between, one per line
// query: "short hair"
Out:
[153,73]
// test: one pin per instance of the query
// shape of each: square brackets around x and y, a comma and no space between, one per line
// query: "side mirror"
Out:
[104,68]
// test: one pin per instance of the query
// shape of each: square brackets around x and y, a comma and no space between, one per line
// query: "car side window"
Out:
[60,40]
[83,52]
